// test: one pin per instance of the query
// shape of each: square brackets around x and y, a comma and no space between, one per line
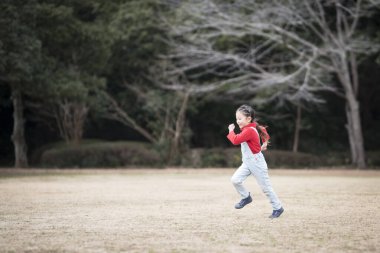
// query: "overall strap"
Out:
[254,128]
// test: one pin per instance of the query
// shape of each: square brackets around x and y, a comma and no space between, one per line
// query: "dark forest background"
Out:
[98,83]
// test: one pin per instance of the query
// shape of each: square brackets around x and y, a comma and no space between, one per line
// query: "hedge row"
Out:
[101,154]
[124,154]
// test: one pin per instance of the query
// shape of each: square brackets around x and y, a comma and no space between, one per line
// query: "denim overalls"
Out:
[256,165]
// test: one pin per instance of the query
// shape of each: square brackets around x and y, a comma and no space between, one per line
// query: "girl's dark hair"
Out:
[248,111]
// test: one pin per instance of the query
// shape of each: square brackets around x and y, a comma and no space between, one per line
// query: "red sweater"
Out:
[248,135]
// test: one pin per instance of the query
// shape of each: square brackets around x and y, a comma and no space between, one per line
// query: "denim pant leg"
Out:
[260,171]
[237,180]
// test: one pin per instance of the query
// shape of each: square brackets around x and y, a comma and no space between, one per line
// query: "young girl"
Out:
[253,160]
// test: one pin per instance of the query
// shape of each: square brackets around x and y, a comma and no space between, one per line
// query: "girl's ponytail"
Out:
[263,132]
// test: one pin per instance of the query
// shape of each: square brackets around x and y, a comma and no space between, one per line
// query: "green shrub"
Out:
[336,159]
[344,158]
[100,154]
[279,158]
[373,158]
[203,158]
[213,158]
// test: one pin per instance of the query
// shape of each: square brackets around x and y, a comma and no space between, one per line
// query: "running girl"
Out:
[253,160]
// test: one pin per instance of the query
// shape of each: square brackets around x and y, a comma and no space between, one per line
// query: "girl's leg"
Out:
[260,171]
[237,180]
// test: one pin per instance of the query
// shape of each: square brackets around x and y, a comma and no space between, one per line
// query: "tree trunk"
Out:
[178,128]
[347,74]
[351,138]
[355,132]
[165,130]
[18,135]
[297,129]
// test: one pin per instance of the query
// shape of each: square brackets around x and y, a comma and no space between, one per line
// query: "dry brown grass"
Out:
[186,211]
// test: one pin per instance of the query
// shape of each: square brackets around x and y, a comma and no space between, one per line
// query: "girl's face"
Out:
[242,120]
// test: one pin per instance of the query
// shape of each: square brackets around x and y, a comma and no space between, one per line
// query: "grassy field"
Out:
[175,210]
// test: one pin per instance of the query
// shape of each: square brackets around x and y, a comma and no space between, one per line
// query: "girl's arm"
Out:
[237,139]
[264,146]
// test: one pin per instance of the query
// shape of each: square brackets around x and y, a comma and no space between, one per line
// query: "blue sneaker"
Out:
[277,213]
[244,202]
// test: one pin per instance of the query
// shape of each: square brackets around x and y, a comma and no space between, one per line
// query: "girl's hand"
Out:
[231,127]
[264,146]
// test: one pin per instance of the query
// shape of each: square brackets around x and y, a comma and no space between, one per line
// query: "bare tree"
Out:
[65,115]
[70,118]
[166,114]
[283,41]
[168,77]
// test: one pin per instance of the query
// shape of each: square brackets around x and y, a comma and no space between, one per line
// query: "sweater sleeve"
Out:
[237,139]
